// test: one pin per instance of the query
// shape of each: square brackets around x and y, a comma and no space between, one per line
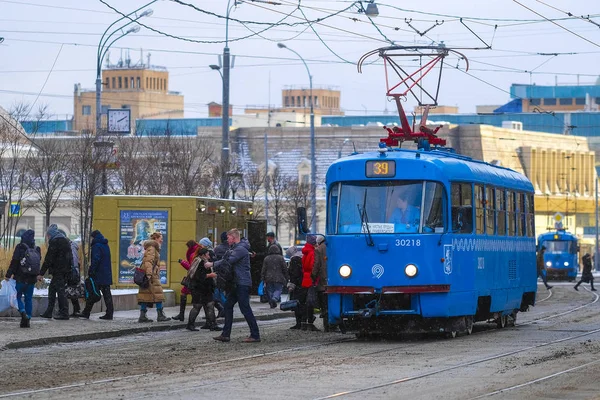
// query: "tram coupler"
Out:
[371,310]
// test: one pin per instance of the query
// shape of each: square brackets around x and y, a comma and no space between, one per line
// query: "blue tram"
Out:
[560,257]
[422,240]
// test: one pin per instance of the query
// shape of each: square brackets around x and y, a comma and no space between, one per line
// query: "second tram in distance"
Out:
[560,258]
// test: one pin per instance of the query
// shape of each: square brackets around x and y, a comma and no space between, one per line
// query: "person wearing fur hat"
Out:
[24,254]
[58,261]
[153,294]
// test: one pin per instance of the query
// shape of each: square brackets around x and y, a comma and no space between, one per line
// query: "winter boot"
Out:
[182,304]
[191,325]
[27,323]
[298,324]
[576,286]
[161,317]
[143,317]
[24,320]
[312,327]
[304,326]
[108,300]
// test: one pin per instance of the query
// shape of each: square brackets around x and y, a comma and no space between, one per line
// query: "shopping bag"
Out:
[262,292]
[8,295]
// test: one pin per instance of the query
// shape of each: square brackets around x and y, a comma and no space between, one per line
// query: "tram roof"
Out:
[450,166]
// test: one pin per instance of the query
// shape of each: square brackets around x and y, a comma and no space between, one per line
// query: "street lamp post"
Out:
[313,165]
[103,47]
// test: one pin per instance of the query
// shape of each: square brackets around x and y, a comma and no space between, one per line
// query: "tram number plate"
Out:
[380,169]
[408,242]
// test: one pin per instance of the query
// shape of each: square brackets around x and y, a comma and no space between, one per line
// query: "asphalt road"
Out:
[552,353]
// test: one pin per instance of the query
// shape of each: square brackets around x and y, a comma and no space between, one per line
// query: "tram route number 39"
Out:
[408,242]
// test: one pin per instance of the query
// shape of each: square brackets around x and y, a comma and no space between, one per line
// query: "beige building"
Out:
[326,101]
[145,91]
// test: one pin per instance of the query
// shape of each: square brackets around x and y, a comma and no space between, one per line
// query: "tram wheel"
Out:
[469,325]
[512,319]
[501,321]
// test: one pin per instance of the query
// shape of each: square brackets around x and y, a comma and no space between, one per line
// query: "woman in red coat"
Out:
[308,261]
[189,257]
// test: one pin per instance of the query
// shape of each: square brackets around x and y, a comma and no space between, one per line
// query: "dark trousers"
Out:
[240,295]
[57,288]
[108,301]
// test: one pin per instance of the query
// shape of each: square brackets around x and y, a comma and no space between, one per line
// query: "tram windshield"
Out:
[386,207]
[560,246]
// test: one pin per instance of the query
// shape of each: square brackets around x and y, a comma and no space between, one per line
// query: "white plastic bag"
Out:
[8,295]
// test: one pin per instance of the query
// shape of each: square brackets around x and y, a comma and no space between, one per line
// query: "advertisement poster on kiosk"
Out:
[135,227]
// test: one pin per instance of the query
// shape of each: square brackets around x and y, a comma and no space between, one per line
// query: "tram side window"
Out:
[479,210]
[332,212]
[501,212]
[490,206]
[530,217]
[433,208]
[462,207]
[510,213]
[521,231]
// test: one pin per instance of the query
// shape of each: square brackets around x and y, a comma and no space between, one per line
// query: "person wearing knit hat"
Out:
[206,242]
[58,261]
[311,239]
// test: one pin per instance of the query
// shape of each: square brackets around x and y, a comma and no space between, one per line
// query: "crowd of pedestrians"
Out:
[216,279]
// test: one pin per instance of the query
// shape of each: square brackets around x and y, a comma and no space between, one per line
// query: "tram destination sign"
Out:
[380,168]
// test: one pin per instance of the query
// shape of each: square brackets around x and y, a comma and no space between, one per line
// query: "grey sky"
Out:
[38,32]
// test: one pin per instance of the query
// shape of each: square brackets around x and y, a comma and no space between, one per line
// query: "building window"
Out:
[132,83]
[104,109]
[304,179]
[550,102]
[86,110]
[113,83]
[292,105]
[580,101]
[120,83]
[147,87]
[107,84]
[126,83]
[138,82]
[535,102]
[566,102]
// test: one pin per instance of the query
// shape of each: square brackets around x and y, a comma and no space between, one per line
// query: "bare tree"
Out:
[186,164]
[297,195]
[132,163]
[277,187]
[48,176]
[253,180]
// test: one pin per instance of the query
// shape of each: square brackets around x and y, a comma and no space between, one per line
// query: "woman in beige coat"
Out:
[153,294]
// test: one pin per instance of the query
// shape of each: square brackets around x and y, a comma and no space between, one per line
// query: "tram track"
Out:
[275,353]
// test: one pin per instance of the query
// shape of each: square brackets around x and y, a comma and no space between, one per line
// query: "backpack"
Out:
[224,272]
[91,291]
[30,263]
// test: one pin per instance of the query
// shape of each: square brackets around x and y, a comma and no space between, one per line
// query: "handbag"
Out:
[140,278]
[289,305]
[186,281]
[311,296]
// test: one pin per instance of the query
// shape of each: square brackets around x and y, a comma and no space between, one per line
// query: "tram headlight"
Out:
[566,263]
[548,264]
[345,271]
[411,270]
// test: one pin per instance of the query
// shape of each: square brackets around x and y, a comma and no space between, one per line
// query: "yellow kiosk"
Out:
[126,221]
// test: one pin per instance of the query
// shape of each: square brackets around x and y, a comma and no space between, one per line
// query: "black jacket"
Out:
[14,268]
[295,270]
[220,251]
[201,286]
[59,257]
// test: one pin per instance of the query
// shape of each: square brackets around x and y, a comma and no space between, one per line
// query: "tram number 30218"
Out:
[408,242]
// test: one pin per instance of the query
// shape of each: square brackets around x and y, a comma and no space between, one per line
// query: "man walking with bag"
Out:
[101,272]
[237,259]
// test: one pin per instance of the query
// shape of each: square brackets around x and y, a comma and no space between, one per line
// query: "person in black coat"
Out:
[58,262]
[25,281]
[295,284]
[101,272]
[586,274]
[202,286]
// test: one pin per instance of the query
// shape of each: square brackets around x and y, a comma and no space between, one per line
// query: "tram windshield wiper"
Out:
[364,221]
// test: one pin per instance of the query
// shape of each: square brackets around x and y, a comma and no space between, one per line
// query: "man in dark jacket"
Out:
[25,281]
[274,274]
[238,260]
[271,241]
[101,272]
[58,262]
[222,248]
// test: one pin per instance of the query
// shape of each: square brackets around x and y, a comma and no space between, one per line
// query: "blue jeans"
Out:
[27,290]
[274,291]
[241,295]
